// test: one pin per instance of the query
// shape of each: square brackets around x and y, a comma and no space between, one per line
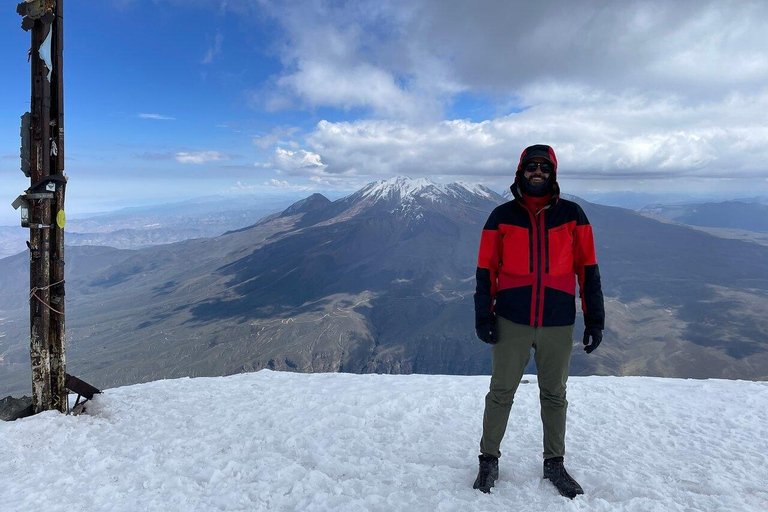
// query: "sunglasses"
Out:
[531,167]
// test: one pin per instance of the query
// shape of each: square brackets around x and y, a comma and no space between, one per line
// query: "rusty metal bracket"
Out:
[35,10]
[48,184]
[83,389]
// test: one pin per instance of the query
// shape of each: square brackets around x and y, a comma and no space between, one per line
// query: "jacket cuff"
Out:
[484,319]
[595,325]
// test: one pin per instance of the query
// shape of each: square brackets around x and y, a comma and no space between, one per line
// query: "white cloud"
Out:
[298,163]
[270,184]
[308,165]
[409,61]
[331,57]
[595,134]
[277,183]
[280,135]
[158,117]
[624,91]
[244,187]
[340,182]
[200,157]
[361,85]
[214,49]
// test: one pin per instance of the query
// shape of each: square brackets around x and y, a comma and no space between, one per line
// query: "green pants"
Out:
[510,355]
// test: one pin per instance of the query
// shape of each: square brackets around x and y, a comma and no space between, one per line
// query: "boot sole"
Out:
[486,490]
[562,493]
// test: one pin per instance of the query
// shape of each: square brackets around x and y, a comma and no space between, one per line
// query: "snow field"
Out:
[310,442]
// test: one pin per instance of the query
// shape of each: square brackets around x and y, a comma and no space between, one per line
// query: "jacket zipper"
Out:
[546,250]
[538,269]
[531,249]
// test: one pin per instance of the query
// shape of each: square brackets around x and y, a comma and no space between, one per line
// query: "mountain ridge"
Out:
[358,285]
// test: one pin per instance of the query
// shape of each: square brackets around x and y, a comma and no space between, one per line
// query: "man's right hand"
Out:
[487,332]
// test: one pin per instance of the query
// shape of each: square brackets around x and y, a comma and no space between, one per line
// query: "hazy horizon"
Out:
[10,218]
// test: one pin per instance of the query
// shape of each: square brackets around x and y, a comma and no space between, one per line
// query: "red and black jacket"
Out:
[529,261]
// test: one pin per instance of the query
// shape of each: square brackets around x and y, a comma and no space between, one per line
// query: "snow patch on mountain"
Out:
[471,188]
[399,188]
[404,189]
[407,196]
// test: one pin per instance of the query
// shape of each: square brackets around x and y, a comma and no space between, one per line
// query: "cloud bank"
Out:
[623,91]
[630,91]
[200,157]
[157,117]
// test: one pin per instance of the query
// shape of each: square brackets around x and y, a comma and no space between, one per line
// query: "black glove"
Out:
[596,335]
[487,332]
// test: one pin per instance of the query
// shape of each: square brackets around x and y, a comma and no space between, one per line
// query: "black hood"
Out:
[542,151]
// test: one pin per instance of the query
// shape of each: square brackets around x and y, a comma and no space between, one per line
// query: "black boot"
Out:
[487,474]
[555,472]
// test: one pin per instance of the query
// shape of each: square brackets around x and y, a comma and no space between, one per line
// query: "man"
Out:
[532,251]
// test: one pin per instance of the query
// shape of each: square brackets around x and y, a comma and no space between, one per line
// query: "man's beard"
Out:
[537,190]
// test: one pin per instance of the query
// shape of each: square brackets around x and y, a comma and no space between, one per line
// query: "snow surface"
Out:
[308,442]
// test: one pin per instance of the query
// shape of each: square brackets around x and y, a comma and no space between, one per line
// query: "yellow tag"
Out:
[61,219]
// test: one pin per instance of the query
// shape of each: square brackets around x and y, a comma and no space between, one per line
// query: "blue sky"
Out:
[169,100]
[122,61]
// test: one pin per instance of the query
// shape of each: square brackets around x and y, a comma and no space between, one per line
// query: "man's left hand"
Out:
[596,336]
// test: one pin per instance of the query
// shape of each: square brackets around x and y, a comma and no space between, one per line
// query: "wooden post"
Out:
[58,219]
[46,238]
[39,237]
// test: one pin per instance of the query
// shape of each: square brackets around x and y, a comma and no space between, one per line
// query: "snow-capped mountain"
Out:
[382,281]
[287,442]
[406,199]
[359,284]
[411,197]
[402,189]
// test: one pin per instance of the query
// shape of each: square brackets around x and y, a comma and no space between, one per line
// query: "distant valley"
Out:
[134,228]
[737,215]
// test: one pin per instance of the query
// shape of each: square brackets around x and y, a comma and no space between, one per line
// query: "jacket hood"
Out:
[542,151]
